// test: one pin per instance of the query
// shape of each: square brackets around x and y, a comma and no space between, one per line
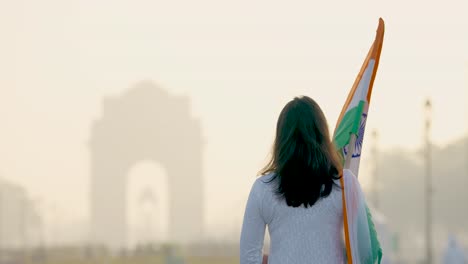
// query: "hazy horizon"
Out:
[238,63]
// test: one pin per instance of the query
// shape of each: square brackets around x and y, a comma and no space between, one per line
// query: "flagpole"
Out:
[349,155]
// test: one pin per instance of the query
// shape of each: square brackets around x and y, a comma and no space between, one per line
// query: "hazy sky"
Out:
[239,61]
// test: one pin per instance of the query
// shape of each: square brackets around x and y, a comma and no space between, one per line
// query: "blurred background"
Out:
[131,131]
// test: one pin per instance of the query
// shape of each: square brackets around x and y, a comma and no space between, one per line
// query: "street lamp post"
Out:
[428,185]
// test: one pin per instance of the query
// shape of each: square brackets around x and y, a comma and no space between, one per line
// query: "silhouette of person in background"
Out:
[454,253]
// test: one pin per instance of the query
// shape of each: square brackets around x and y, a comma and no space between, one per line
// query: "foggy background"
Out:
[229,67]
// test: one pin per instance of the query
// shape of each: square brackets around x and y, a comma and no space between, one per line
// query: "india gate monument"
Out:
[145,123]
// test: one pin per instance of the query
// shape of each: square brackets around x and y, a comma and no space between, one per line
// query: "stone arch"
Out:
[145,123]
[147,204]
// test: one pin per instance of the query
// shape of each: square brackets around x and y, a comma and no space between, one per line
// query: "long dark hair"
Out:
[304,161]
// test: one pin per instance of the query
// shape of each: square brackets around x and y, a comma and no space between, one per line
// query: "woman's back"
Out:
[297,234]
[298,197]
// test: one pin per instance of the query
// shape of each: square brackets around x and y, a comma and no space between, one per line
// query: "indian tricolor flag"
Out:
[362,245]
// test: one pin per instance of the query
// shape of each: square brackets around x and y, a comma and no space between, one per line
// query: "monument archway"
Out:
[147,204]
[145,123]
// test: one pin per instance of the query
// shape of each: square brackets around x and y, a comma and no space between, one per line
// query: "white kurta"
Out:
[298,235]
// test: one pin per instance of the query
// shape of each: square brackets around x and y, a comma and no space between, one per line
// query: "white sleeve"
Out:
[253,228]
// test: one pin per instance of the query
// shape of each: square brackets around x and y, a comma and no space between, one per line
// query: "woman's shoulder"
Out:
[267,181]
[266,178]
[264,183]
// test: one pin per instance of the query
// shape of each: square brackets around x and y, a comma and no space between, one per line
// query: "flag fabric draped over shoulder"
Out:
[362,245]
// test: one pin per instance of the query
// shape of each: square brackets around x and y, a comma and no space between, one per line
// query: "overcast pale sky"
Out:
[239,61]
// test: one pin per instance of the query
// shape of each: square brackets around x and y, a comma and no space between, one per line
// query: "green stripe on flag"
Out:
[376,250]
[349,125]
